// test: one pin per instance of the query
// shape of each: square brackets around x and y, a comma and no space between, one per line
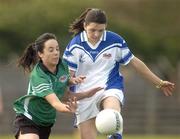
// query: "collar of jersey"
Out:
[45,69]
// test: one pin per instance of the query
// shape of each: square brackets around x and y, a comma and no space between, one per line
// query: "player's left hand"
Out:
[72,104]
[76,80]
[167,88]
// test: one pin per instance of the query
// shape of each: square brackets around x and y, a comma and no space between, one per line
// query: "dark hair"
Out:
[30,56]
[88,16]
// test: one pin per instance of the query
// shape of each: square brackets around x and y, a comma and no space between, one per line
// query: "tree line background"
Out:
[151,28]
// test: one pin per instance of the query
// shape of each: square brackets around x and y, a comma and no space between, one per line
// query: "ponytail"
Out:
[77,26]
[29,58]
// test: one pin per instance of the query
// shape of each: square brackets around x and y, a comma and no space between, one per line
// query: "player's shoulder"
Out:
[114,36]
[75,40]
[37,72]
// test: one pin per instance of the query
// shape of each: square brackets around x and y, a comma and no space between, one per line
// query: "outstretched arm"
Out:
[70,106]
[81,95]
[166,86]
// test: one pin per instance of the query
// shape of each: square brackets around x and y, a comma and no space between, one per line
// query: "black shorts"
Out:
[26,126]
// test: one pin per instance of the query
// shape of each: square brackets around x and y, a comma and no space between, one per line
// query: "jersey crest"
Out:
[63,78]
[107,55]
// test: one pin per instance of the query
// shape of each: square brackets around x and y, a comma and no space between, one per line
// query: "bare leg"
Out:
[88,129]
[111,103]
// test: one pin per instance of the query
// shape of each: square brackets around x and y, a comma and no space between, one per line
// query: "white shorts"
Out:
[89,107]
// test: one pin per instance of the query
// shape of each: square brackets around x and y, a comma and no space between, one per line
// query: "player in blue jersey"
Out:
[97,54]
[47,90]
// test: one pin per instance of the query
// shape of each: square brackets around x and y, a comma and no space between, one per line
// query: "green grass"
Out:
[103,137]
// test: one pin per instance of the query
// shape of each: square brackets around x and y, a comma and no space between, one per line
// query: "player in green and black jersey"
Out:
[49,78]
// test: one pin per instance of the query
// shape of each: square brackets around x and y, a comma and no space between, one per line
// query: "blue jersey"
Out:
[100,63]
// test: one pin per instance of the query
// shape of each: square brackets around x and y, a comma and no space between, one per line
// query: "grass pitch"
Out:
[103,137]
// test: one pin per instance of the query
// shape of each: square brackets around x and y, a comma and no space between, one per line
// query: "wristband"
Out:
[160,84]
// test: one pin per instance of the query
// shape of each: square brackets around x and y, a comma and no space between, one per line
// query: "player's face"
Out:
[51,53]
[94,31]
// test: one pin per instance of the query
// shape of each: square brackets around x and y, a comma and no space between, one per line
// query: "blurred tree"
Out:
[151,28]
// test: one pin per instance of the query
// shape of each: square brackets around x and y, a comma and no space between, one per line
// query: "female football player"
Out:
[47,90]
[97,54]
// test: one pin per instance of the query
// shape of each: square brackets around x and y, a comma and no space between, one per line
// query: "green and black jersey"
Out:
[42,83]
